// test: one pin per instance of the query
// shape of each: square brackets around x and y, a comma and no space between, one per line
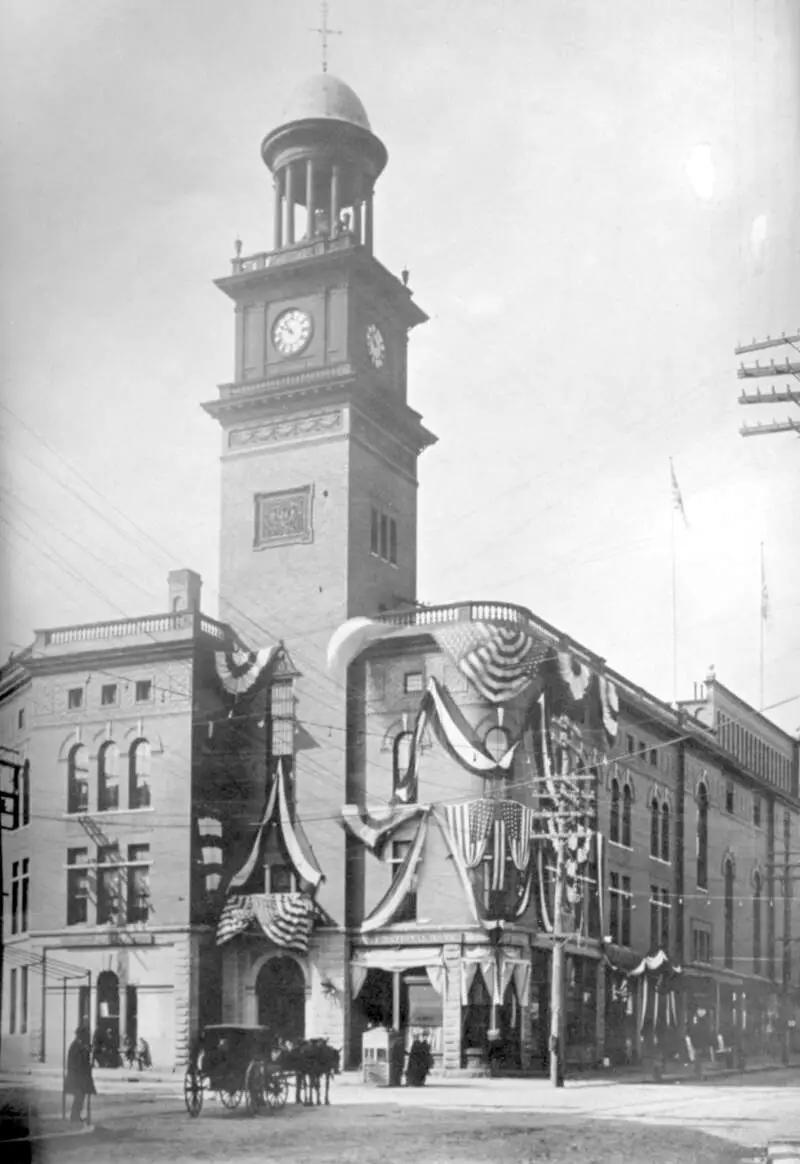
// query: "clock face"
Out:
[291,331]
[376,346]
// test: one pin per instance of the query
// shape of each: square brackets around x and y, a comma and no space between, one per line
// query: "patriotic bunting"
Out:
[285,918]
[374,827]
[239,668]
[500,661]
[401,884]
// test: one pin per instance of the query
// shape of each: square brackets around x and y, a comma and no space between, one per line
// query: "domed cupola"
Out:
[325,158]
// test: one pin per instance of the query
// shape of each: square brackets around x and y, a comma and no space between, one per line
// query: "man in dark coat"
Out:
[420,1062]
[79,1082]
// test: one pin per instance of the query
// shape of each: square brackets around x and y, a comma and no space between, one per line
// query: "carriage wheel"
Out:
[276,1091]
[193,1093]
[231,1099]
[254,1084]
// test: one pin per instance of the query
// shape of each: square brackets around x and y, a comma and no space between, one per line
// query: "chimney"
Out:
[184,590]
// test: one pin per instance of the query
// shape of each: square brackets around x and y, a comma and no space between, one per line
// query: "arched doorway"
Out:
[106,1032]
[281,998]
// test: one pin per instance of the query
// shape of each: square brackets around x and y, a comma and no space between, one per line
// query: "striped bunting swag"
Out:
[234,919]
[285,918]
[499,661]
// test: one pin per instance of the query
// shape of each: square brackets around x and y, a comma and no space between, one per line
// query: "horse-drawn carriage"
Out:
[236,1062]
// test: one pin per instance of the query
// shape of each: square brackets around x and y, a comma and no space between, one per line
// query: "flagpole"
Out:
[761,621]
[674,614]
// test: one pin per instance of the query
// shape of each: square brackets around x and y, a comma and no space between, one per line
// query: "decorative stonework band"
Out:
[298,428]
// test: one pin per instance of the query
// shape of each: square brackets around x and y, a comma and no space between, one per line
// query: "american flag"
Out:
[499,661]
[470,824]
[518,820]
[234,919]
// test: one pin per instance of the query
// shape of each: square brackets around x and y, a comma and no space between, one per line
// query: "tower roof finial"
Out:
[324,32]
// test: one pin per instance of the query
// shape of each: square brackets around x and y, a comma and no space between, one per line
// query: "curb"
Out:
[783,1151]
[54,1137]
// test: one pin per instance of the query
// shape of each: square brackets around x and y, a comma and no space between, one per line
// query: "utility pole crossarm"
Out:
[765,429]
[763,345]
[785,396]
[758,371]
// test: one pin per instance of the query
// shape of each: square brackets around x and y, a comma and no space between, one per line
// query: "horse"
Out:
[310,1061]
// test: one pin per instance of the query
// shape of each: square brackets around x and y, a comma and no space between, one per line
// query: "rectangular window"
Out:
[408,908]
[109,884]
[374,536]
[665,916]
[701,944]
[757,811]
[630,746]
[23,1000]
[660,907]
[412,681]
[108,694]
[729,799]
[613,905]
[25,895]
[392,541]
[654,757]
[281,879]
[75,698]
[77,886]
[144,690]
[21,718]
[384,550]
[138,875]
[12,1009]
[383,536]
[627,900]
[15,880]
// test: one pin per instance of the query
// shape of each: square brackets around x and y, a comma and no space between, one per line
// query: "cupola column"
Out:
[368,221]
[310,205]
[278,213]
[335,200]
[357,202]
[290,204]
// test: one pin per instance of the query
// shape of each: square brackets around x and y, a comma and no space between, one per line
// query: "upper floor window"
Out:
[108,777]
[20,895]
[109,884]
[77,886]
[138,878]
[729,876]
[702,837]
[757,924]
[282,725]
[757,811]
[401,761]
[21,718]
[144,690]
[108,694]
[627,809]
[660,906]
[75,698]
[408,908]
[77,779]
[613,831]
[139,775]
[412,682]
[701,943]
[729,797]
[620,901]
[383,536]
[655,828]
[630,746]
[281,879]
[654,757]
[664,832]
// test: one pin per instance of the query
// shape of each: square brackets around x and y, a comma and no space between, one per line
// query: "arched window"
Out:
[77,780]
[139,775]
[729,914]
[627,807]
[614,824]
[655,828]
[702,837]
[108,777]
[757,923]
[401,762]
[664,832]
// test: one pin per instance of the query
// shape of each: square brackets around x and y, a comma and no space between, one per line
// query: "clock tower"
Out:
[319,443]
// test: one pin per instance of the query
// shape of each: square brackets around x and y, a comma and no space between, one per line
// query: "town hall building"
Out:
[332,807]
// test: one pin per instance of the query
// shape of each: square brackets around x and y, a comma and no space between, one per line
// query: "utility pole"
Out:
[14,798]
[785,394]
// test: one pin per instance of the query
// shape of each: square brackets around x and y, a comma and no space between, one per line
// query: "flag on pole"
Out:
[764,591]
[677,500]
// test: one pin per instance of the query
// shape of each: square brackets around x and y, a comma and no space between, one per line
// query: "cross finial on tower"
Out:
[324,33]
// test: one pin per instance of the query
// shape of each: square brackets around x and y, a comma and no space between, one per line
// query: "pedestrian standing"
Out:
[79,1082]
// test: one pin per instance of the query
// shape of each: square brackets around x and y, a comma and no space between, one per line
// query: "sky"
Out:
[596,200]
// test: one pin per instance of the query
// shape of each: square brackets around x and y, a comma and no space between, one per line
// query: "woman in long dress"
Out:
[79,1082]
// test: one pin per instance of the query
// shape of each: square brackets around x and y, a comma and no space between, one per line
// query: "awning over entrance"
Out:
[397,959]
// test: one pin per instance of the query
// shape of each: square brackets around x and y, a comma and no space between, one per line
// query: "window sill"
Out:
[620,845]
[106,812]
[661,860]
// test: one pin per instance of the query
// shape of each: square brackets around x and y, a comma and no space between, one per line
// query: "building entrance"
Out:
[281,998]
